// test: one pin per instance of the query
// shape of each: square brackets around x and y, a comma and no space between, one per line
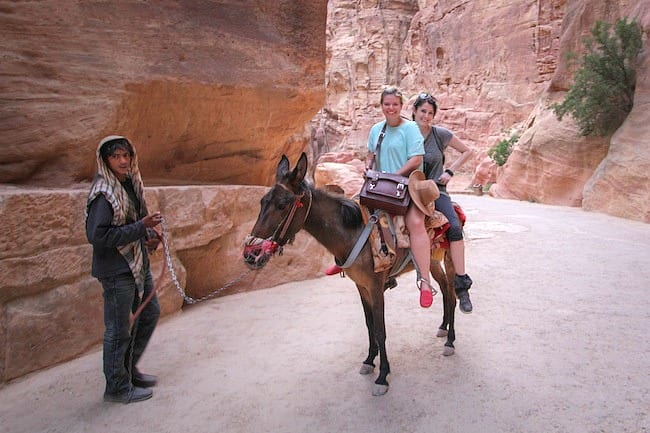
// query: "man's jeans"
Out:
[121,349]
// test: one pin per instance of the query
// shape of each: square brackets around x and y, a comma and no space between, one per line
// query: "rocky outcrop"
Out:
[51,309]
[553,164]
[620,184]
[342,170]
[210,92]
[495,67]
[550,163]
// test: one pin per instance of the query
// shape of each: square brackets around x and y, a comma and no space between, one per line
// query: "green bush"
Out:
[603,90]
[500,152]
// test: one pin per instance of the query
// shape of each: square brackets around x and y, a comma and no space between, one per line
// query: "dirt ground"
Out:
[557,343]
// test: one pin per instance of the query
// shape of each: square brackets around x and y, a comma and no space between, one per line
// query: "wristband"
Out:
[449,172]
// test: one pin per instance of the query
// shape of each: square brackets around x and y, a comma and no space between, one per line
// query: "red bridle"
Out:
[258,250]
[284,226]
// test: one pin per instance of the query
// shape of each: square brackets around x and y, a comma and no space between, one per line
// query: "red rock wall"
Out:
[495,67]
[554,164]
[210,92]
[620,184]
[487,63]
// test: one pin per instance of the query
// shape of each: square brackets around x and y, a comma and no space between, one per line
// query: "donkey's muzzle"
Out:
[257,251]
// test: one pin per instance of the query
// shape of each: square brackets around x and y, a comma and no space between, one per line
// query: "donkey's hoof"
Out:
[442,333]
[379,390]
[366,369]
[448,351]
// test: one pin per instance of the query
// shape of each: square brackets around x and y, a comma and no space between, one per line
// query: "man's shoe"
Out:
[462,283]
[131,396]
[464,303]
[144,380]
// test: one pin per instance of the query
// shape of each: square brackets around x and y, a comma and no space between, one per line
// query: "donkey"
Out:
[336,222]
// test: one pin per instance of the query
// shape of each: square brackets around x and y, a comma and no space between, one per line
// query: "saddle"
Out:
[389,238]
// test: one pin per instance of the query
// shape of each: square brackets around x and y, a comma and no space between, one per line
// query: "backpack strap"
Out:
[381,138]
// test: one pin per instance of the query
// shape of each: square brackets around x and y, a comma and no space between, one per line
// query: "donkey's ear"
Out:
[283,169]
[299,172]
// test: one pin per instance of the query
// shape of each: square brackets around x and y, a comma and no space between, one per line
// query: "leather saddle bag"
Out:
[385,191]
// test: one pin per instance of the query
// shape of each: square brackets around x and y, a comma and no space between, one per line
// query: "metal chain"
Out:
[180,290]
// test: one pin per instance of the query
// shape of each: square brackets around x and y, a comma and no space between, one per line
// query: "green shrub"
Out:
[603,90]
[500,152]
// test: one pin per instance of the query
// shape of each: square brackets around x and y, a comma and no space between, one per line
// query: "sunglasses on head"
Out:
[392,91]
[427,98]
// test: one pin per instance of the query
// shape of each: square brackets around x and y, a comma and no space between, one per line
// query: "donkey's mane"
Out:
[350,211]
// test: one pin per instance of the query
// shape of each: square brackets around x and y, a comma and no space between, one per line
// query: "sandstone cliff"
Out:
[495,67]
[553,164]
[486,68]
[210,92]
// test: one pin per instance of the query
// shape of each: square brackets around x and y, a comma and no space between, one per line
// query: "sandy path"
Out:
[557,343]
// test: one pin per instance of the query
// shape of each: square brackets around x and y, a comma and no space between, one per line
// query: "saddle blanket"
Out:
[392,240]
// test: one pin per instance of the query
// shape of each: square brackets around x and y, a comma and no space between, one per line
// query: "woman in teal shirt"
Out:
[401,152]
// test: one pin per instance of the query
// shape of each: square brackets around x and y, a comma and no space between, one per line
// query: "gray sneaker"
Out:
[130,396]
[462,283]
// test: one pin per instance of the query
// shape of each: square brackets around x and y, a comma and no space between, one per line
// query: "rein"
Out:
[170,266]
[270,246]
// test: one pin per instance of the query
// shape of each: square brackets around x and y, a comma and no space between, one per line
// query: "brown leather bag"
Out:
[385,191]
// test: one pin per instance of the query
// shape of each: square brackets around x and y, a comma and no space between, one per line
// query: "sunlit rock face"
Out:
[209,92]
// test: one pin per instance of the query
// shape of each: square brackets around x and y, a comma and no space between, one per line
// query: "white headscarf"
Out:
[106,183]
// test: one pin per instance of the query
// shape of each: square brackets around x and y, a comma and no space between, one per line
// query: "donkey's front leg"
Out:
[368,365]
[381,384]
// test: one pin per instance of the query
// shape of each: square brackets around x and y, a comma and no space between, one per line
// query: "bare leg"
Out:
[421,250]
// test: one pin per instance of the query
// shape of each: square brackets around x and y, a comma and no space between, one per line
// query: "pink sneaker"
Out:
[426,296]
[333,270]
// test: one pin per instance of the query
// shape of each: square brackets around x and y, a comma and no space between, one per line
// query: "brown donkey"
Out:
[336,222]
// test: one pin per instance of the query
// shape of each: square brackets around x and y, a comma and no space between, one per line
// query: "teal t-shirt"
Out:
[399,145]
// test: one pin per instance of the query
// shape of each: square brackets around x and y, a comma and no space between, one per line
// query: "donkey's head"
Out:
[283,211]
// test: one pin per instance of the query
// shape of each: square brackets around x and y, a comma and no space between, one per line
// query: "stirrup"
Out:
[426,297]
[419,282]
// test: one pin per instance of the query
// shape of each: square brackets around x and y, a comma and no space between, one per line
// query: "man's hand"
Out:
[152,220]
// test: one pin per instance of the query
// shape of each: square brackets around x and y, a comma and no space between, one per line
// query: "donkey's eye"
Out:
[282,204]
